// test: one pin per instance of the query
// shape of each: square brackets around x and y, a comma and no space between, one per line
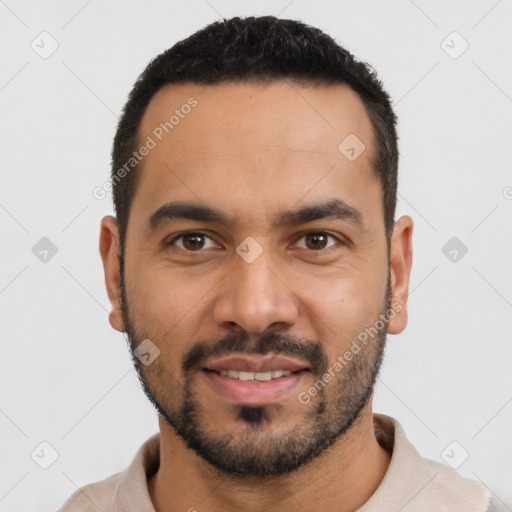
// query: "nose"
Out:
[255,297]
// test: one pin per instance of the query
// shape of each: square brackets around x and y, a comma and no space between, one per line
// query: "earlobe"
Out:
[115,321]
[400,269]
[109,251]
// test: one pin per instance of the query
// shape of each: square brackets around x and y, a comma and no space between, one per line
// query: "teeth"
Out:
[255,376]
[246,375]
[261,376]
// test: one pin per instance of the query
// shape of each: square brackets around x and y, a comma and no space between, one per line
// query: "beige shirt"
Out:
[411,484]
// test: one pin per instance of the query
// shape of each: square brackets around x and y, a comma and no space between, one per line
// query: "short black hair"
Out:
[262,49]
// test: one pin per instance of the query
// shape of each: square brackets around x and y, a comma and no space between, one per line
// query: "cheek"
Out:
[341,308]
[346,307]
[165,303]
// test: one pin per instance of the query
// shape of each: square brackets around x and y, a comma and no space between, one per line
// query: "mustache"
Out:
[285,345]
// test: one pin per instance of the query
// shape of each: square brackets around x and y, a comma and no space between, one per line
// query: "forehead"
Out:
[245,114]
[255,144]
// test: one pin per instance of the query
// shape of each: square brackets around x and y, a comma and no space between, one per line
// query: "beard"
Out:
[263,447]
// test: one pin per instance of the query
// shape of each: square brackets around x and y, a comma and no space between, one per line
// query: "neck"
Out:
[344,477]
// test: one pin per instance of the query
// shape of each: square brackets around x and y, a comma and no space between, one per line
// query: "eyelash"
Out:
[199,251]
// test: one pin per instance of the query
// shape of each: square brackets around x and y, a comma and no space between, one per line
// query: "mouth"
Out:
[255,380]
[255,376]
[257,365]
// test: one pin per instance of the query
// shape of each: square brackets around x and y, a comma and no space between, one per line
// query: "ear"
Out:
[400,261]
[110,252]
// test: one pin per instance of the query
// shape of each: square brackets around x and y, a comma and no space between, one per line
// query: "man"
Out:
[256,267]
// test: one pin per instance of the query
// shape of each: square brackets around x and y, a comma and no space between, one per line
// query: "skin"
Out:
[252,150]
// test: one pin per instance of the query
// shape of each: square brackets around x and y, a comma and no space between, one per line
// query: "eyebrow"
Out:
[335,209]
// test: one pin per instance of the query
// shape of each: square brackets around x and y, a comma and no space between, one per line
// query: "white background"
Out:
[66,376]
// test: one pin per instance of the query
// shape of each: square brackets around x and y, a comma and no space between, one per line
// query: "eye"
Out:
[191,241]
[317,240]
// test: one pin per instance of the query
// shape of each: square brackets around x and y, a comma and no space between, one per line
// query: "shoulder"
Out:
[416,483]
[128,486]
[93,497]
[455,491]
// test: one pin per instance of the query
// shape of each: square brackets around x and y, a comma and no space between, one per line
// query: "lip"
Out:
[256,363]
[253,393]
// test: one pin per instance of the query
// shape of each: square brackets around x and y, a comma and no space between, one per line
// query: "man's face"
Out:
[257,288]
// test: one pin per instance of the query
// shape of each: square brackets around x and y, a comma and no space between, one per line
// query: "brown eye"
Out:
[317,240]
[191,242]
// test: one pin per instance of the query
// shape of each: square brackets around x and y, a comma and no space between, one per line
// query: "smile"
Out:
[254,388]
[254,376]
